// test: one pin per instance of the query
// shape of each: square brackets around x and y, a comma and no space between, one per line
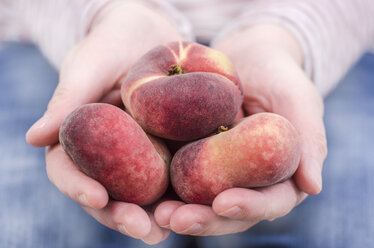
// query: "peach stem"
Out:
[176,70]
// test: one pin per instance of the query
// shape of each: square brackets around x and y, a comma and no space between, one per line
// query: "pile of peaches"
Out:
[186,98]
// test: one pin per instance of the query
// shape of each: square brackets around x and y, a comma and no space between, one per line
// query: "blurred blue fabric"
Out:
[33,213]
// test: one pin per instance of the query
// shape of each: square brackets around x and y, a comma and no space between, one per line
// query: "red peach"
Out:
[182,91]
[110,147]
[260,150]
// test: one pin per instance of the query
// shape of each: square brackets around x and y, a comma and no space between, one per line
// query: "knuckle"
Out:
[116,213]
[245,227]
[274,210]
[151,241]
[70,190]
[321,144]
[61,94]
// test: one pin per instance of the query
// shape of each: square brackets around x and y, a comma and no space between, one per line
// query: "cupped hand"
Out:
[269,63]
[120,34]
[127,218]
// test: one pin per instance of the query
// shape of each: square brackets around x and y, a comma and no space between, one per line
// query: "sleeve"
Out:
[55,26]
[333,34]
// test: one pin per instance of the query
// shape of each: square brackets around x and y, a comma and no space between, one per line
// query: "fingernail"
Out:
[42,121]
[166,226]
[83,200]
[39,124]
[316,174]
[193,229]
[122,229]
[232,212]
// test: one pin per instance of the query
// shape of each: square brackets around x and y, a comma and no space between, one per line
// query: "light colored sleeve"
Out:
[55,26]
[333,34]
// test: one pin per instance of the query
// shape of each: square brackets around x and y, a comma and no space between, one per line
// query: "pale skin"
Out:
[269,62]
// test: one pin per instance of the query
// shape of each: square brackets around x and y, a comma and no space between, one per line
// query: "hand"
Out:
[269,61]
[121,33]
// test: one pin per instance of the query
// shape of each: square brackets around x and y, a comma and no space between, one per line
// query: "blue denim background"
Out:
[33,213]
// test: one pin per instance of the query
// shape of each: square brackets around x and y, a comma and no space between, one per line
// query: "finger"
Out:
[256,205]
[309,121]
[113,97]
[127,218]
[157,234]
[72,182]
[201,220]
[87,74]
[163,212]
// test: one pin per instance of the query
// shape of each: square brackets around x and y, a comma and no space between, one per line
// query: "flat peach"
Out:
[259,151]
[182,91]
[110,147]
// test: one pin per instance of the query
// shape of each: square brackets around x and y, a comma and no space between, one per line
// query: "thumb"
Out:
[305,111]
[308,176]
[84,77]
